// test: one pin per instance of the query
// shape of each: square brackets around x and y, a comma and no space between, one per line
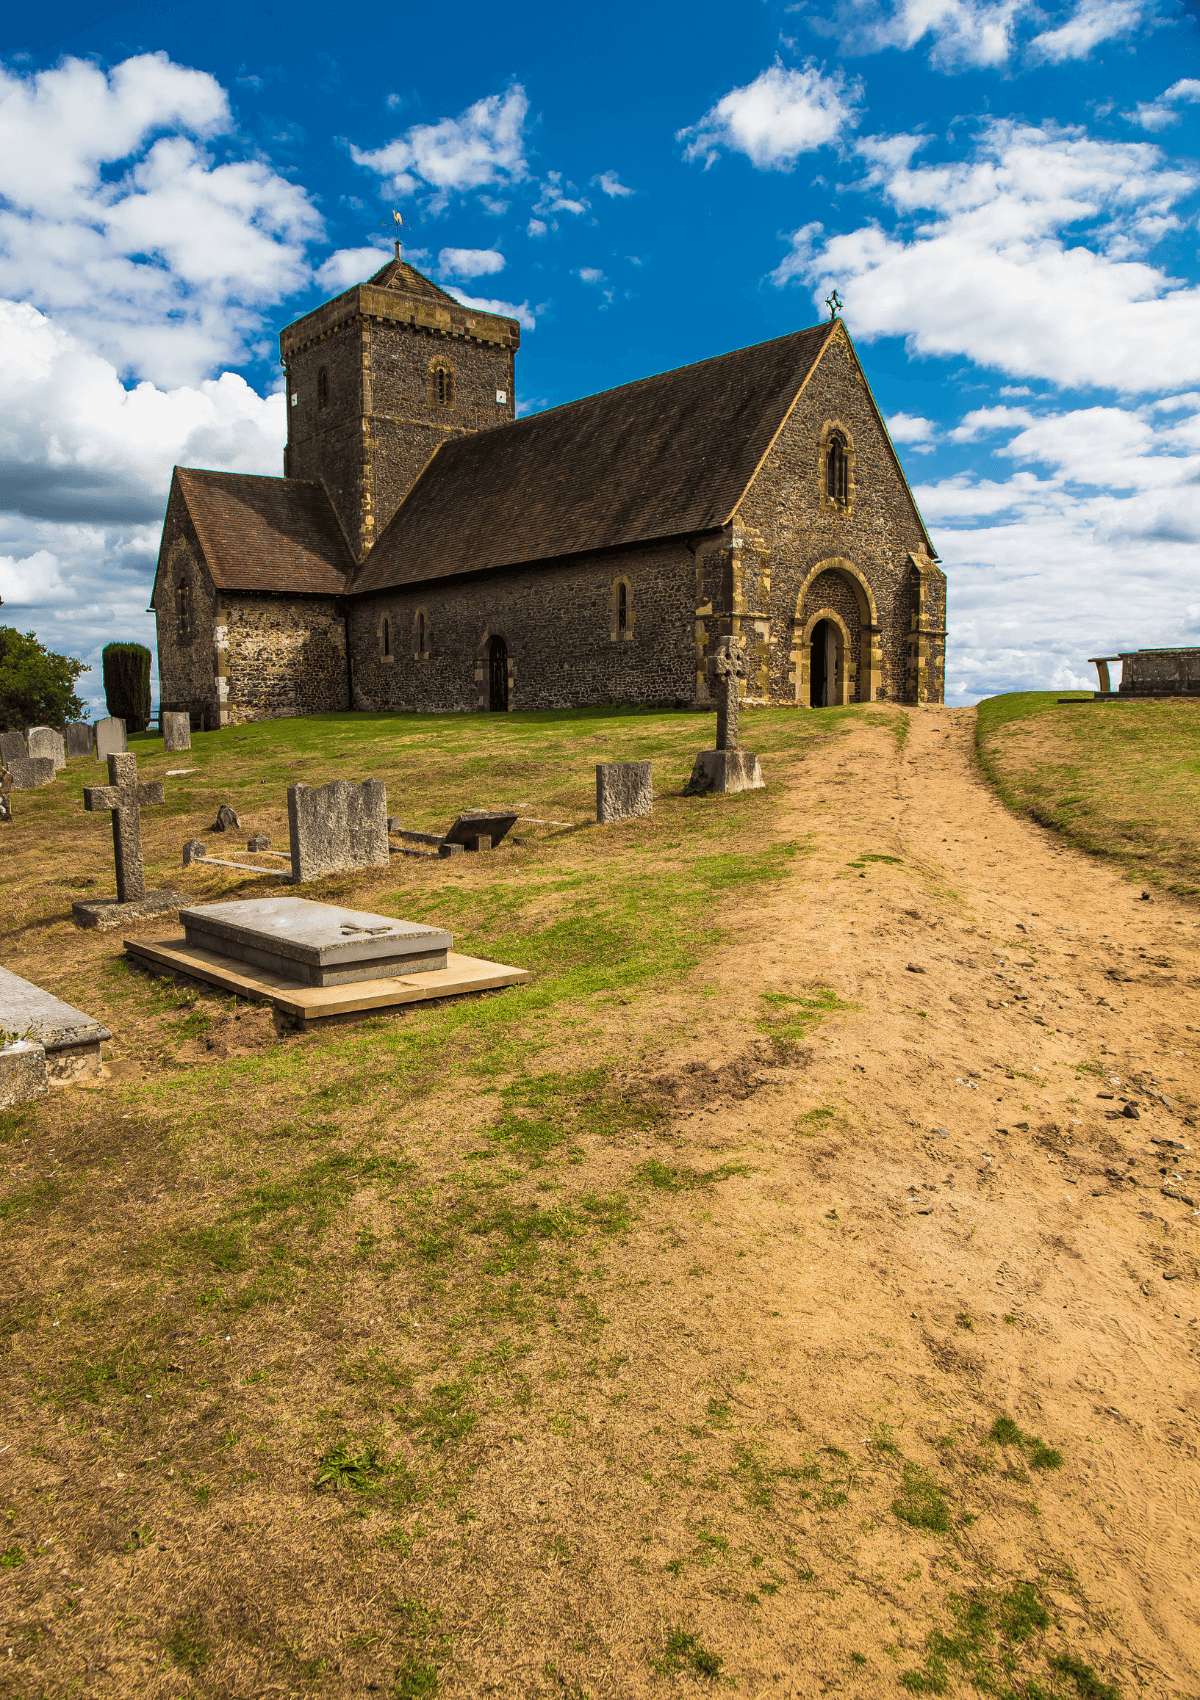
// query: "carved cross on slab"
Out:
[126,798]
[727,666]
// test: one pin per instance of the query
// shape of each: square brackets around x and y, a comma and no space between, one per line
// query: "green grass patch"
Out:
[1005,1432]
[920,1502]
[683,1652]
[792,1016]
[1116,779]
[678,1177]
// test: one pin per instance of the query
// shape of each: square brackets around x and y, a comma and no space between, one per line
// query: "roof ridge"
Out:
[399,275]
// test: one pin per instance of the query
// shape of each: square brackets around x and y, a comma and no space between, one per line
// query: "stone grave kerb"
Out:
[126,799]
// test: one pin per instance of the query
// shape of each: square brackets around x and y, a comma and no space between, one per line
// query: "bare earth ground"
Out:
[741,1432]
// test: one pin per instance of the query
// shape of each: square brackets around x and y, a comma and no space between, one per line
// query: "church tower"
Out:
[377,379]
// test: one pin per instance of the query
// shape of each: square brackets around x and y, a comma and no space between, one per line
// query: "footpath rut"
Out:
[1029,1244]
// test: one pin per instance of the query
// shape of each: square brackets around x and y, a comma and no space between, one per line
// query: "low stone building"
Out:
[426,550]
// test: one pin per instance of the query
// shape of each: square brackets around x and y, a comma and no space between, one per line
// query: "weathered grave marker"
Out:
[12,747]
[337,827]
[624,789]
[176,730]
[110,738]
[226,820]
[125,798]
[727,768]
[79,739]
[28,772]
[45,741]
[70,1039]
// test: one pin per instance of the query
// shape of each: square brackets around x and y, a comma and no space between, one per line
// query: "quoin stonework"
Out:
[427,550]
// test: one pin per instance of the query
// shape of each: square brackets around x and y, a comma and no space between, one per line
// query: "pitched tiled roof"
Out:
[276,534]
[398,274]
[662,457]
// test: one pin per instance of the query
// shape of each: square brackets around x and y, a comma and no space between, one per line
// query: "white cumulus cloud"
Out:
[350,266]
[483,146]
[161,257]
[962,34]
[32,582]
[1024,257]
[1092,22]
[611,184]
[773,120]
[911,429]
[1158,114]
[521,311]
[470,262]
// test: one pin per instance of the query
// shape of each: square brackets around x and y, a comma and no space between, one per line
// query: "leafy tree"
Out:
[37,687]
[127,683]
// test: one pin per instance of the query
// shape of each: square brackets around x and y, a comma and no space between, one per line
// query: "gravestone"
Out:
[70,1039]
[12,747]
[28,772]
[226,820]
[727,768]
[45,741]
[79,739]
[315,944]
[126,799]
[337,827]
[258,841]
[110,738]
[481,829]
[193,851]
[6,785]
[624,789]
[22,1073]
[176,730]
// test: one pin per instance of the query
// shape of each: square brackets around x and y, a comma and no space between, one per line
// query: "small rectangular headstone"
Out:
[176,730]
[79,739]
[624,789]
[22,1073]
[45,741]
[110,738]
[337,827]
[30,771]
[12,747]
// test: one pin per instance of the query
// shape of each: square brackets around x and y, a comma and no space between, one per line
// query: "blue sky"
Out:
[1004,193]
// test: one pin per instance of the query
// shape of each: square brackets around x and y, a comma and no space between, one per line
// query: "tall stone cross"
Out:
[727,666]
[126,798]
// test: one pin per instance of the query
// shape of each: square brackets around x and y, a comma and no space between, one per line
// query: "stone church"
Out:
[427,550]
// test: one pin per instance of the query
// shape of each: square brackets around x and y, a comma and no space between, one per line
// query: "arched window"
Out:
[421,634]
[837,470]
[622,609]
[441,384]
[183,610]
[385,637]
[323,387]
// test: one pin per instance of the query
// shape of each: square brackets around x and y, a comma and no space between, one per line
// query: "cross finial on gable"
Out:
[835,304]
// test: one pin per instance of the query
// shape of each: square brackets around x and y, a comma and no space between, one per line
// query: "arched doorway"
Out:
[823,665]
[498,675]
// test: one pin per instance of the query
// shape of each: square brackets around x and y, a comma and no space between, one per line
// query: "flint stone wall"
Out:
[556,621]
[280,656]
[337,827]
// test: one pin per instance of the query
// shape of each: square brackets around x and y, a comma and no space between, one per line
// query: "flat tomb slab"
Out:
[70,1039]
[461,975]
[315,944]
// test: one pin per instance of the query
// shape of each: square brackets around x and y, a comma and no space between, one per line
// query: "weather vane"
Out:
[833,301]
[397,221]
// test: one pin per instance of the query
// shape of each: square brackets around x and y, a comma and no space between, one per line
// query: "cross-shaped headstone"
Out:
[126,798]
[728,665]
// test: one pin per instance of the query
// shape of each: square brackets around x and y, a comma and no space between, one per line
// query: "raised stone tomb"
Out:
[315,944]
[70,1039]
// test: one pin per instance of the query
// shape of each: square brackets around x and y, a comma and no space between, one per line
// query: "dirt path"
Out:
[1002,1240]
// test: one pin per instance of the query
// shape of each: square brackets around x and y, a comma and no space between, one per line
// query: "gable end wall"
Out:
[784,506]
